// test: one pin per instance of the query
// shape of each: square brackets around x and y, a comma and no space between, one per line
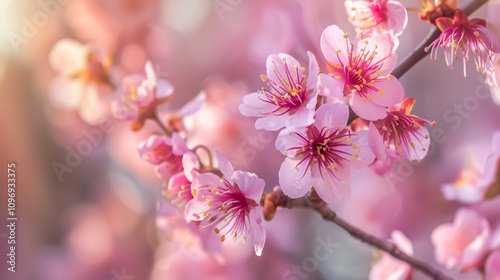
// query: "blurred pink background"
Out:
[98,222]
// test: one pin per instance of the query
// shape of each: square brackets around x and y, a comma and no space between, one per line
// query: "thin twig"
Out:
[419,52]
[313,202]
[163,128]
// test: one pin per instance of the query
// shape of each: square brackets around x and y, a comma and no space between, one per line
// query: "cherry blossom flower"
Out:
[322,155]
[375,17]
[388,267]
[227,204]
[179,185]
[84,81]
[362,75]
[291,96]
[138,96]
[469,37]
[463,243]
[492,266]
[400,134]
[473,183]
[165,153]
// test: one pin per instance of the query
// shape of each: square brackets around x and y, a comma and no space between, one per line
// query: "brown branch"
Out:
[311,201]
[163,128]
[419,52]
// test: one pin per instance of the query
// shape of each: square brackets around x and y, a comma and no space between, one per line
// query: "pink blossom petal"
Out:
[271,122]
[365,154]
[476,250]
[94,106]
[275,65]
[165,170]
[193,207]
[313,73]
[301,118]
[257,231]
[366,109]
[492,18]
[376,142]
[287,139]
[421,142]
[194,105]
[254,107]
[66,93]
[332,41]
[397,17]
[292,180]
[332,115]
[331,190]
[383,46]
[492,266]
[224,166]
[151,76]
[330,86]
[179,146]
[250,185]
[390,93]
[164,89]
[68,56]
[190,164]
[464,193]
[490,39]
[206,179]
[403,243]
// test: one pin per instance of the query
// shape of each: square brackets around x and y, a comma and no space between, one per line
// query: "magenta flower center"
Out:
[360,72]
[400,130]
[228,210]
[330,148]
[288,93]
[163,153]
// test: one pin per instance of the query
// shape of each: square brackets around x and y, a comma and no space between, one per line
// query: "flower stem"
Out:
[313,202]
[163,128]
[207,151]
[419,52]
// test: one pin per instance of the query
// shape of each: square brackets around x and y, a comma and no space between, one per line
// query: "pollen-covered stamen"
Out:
[288,93]
[361,71]
[465,38]
[228,211]
[369,14]
[400,130]
[327,148]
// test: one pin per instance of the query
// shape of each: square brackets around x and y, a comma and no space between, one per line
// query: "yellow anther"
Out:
[263,77]
[194,192]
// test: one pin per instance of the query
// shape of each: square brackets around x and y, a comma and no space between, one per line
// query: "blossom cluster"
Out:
[331,120]
[322,148]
